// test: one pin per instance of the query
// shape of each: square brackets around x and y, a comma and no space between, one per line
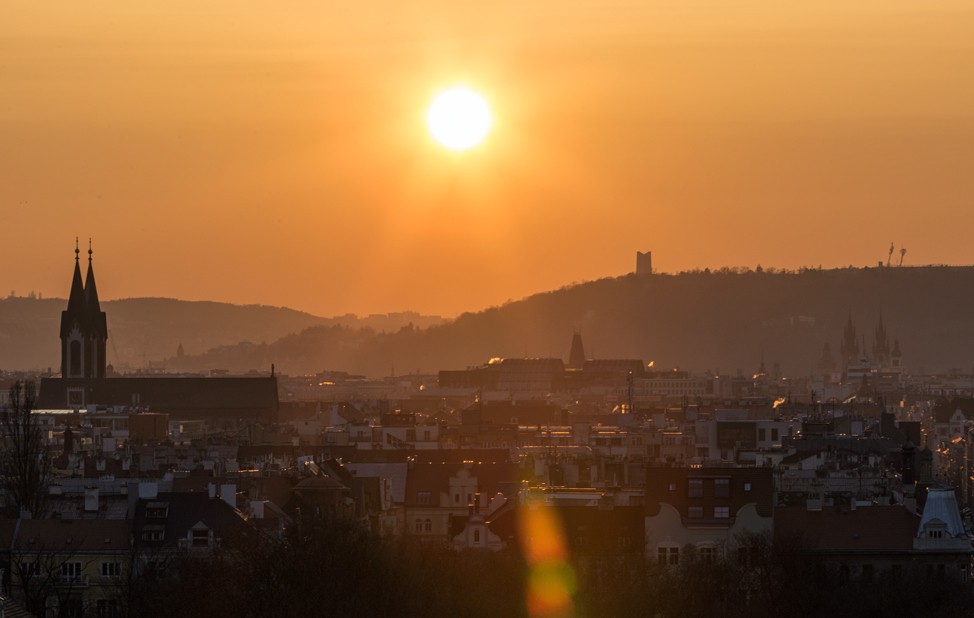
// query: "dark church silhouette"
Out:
[85,381]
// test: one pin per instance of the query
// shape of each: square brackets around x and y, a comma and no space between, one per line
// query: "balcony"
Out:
[73,581]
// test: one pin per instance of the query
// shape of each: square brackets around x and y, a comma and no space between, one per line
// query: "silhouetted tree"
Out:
[25,464]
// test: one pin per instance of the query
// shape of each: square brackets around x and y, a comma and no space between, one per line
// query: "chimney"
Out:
[148,490]
[91,499]
[228,493]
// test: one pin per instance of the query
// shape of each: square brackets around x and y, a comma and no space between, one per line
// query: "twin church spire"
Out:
[84,326]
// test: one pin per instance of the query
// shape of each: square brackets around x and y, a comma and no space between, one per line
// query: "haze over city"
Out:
[246,153]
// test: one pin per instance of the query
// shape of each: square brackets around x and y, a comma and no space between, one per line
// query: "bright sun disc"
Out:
[458,118]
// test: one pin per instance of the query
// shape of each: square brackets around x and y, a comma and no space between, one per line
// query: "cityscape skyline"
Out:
[290,149]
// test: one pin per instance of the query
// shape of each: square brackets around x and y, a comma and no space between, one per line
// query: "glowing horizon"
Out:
[250,155]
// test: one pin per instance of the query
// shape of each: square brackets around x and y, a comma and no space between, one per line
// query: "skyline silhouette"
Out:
[253,155]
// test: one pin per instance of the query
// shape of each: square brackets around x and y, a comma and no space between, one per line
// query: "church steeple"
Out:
[84,326]
[74,316]
[576,357]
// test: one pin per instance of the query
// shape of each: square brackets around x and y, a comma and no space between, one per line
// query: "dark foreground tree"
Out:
[25,464]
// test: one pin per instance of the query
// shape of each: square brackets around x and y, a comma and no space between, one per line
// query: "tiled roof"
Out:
[255,397]
[84,535]
[844,529]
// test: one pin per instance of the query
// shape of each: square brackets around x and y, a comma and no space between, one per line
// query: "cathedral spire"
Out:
[84,327]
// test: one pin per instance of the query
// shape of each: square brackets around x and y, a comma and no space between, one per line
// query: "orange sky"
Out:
[255,152]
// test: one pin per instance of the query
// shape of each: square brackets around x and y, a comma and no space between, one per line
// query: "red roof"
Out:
[842,528]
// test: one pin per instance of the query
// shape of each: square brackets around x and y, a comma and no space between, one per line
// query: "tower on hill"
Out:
[644,263]
[576,357]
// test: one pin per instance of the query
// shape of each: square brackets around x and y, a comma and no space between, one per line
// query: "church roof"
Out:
[76,311]
[191,397]
[97,321]
[941,505]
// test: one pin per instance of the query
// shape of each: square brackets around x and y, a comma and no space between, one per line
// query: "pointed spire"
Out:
[576,356]
[75,314]
[96,317]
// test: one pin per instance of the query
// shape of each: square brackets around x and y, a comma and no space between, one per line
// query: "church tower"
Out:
[84,326]
[849,348]
[576,357]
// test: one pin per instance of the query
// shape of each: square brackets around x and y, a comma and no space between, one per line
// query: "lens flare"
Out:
[551,580]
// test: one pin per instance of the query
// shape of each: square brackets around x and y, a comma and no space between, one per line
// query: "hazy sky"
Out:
[276,153]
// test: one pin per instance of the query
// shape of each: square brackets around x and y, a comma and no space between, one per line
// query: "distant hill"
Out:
[722,320]
[144,331]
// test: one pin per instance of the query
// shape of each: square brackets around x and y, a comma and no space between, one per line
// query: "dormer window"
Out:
[157,510]
[200,537]
[153,533]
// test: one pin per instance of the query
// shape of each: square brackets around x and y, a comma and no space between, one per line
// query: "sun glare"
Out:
[458,118]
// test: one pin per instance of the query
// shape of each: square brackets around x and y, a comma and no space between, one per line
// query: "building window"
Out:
[71,572]
[111,569]
[672,486]
[106,608]
[721,512]
[721,488]
[476,536]
[668,556]
[867,573]
[424,497]
[75,369]
[695,488]
[153,533]
[157,510]
[761,434]
[201,538]
[71,608]
[708,554]
[747,487]
[695,512]
[418,526]
[30,569]
[428,525]
[774,434]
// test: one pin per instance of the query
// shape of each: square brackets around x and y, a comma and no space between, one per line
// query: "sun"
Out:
[458,118]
